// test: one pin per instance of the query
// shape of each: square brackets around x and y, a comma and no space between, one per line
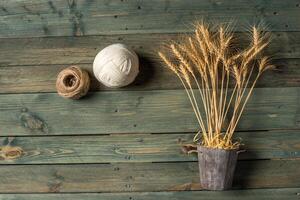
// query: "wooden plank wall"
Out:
[129,140]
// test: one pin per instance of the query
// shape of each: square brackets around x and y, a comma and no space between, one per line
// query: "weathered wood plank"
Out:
[70,50]
[135,111]
[140,177]
[252,194]
[141,147]
[31,65]
[153,76]
[61,18]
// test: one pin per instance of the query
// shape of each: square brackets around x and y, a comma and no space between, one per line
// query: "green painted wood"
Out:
[70,50]
[253,194]
[135,111]
[140,177]
[77,18]
[142,147]
[31,65]
[153,76]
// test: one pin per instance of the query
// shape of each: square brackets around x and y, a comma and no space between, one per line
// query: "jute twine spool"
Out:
[72,82]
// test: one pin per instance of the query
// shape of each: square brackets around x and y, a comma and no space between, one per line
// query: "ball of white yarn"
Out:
[116,66]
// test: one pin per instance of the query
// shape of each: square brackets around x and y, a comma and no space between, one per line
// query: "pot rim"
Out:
[217,149]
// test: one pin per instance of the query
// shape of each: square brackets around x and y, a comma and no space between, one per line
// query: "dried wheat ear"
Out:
[209,60]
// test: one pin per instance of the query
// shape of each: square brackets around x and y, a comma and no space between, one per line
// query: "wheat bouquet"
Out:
[223,74]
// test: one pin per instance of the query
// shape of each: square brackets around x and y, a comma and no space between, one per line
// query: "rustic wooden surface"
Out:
[152,111]
[78,18]
[121,177]
[82,50]
[253,194]
[19,78]
[127,143]
[142,147]
[19,58]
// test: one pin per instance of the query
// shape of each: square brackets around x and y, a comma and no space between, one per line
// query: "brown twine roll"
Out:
[72,82]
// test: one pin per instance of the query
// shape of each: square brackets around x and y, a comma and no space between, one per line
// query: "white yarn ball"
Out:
[116,66]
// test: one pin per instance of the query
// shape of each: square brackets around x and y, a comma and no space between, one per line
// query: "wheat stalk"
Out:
[206,59]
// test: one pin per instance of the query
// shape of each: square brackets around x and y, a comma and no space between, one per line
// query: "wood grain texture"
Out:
[31,65]
[253,194]
[140,177]
[153,76]
[77,18]
[130,141]
[142,147]
[82,50]
[135,111]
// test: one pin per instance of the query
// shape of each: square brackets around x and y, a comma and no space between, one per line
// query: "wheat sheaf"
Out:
[224,76]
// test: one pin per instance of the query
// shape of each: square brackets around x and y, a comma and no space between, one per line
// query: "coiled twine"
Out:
[116,66]
[72,83]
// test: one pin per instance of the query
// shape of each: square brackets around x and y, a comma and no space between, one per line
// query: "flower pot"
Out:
[216,167]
